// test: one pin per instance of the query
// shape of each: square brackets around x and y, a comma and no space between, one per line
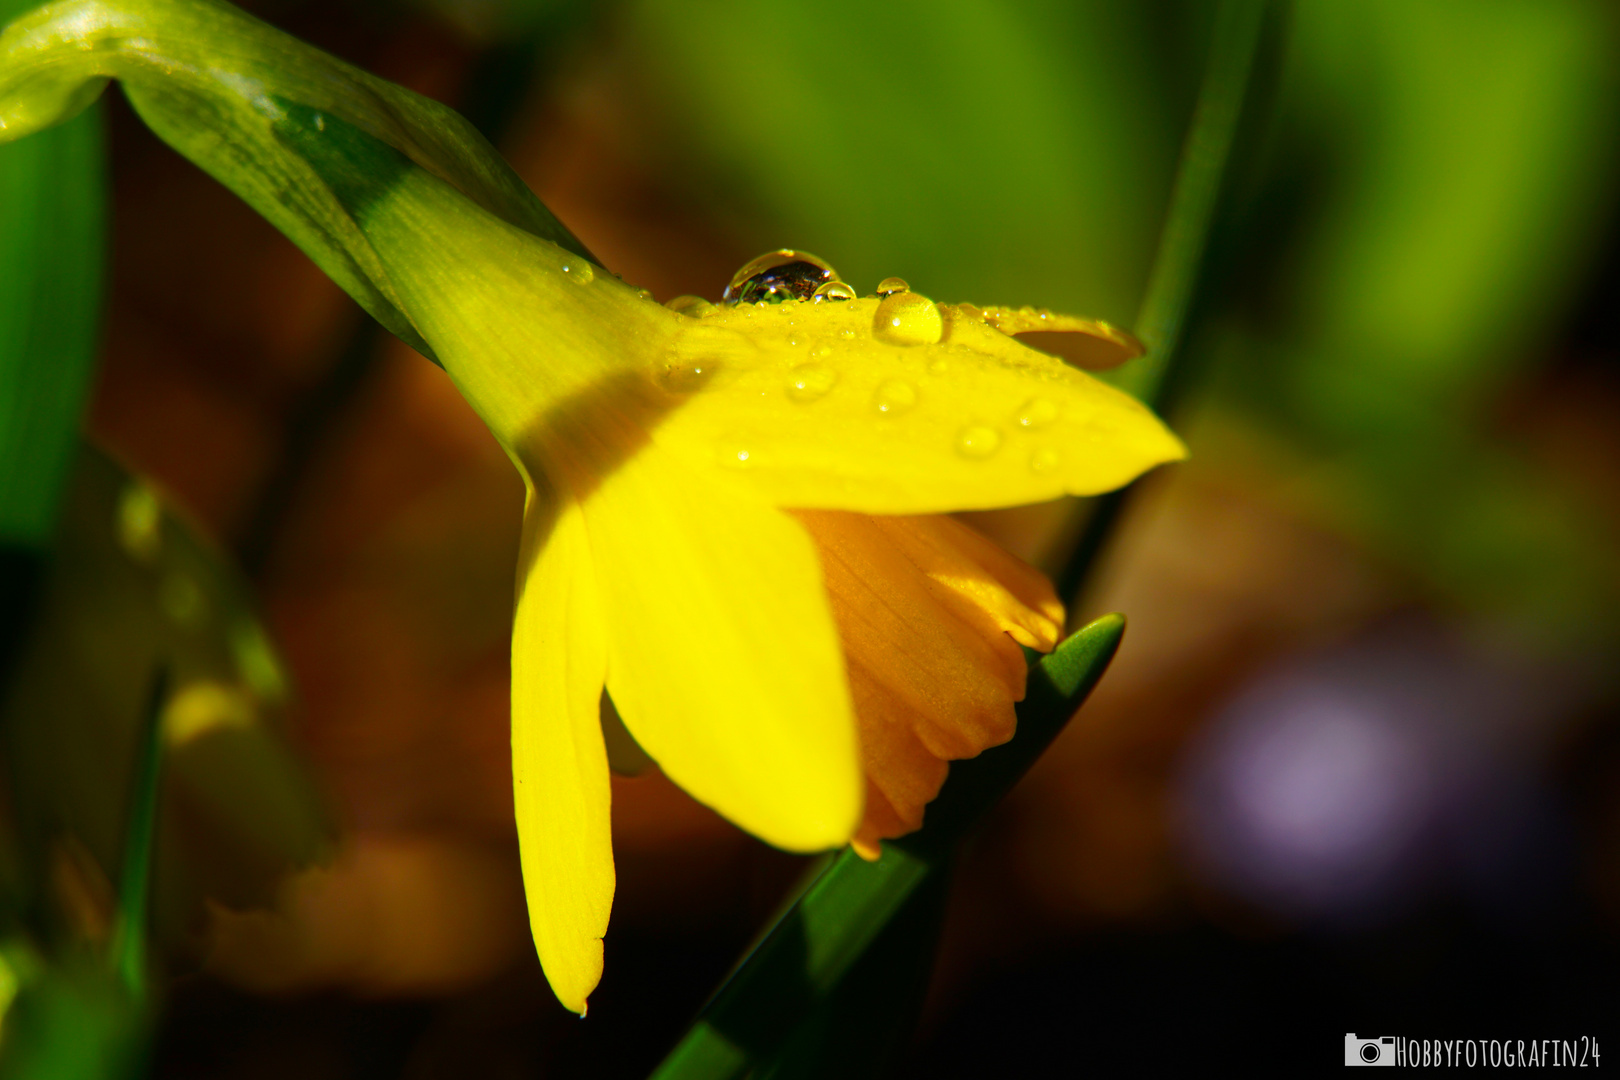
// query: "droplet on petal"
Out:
[894,397]
[1036,414]
[735,453]
[579,270]
[978,441]
[1043,460]
[693,306]
[908,318]
[807,382]
[891,285]
[833,290]
[777,277]
[685,378]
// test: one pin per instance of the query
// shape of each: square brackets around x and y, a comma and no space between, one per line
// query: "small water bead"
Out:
[1037,413]
[938,366]
[891,285]
[908,318]
[894,397]
[833,290]
[686,378]
[579,270]
[1043,460]
[978,442]
[807,382]
[694,306]
[735,453]
[777,277]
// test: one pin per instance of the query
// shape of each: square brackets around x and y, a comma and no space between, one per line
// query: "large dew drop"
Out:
[908,318]
[777,277]
[891,285]
[579,271]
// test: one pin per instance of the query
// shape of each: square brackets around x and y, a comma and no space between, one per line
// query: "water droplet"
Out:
[1036,414]
[807,382]
[978,441]
[894,397]
[1043,460]
[694,306]
[891,285]
[735,453]
[833,290]
[846,333]
[908,318]
[579,270]
[938,366]
[777,277]
[686,378]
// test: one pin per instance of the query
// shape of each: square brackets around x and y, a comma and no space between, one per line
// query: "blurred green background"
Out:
[1362,734]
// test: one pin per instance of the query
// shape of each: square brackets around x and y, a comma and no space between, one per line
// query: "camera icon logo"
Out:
[1374,1051]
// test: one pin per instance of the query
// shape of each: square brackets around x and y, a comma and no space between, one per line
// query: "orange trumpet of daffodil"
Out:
[728,513]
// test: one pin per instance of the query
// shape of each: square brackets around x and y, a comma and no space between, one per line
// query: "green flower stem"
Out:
[800,962]
[127,951]
[213,82]
[1173,282]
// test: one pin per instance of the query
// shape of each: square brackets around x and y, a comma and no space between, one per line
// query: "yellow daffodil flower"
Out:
[661,450]
[728,506]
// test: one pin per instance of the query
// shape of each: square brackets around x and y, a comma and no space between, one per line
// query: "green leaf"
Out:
[51,211]
[52,204]
[799,967]
[216,83]
[1178,262]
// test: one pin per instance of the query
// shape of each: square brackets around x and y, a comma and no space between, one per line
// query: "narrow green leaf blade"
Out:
[801,961]
[51,224]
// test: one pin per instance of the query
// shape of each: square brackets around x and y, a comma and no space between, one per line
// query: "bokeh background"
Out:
[1357,767]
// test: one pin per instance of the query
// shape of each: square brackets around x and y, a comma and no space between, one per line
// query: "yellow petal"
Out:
[1089,343]
[722,656]
[559,766]
[823,406]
